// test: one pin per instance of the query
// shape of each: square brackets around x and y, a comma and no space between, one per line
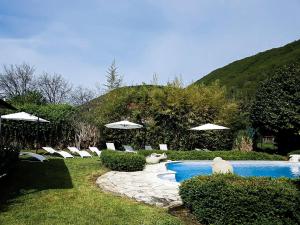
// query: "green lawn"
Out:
[64,192]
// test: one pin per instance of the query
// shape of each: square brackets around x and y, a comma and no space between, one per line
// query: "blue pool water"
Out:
[185,170]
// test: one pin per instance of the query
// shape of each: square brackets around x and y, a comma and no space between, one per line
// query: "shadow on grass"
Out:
[29,177]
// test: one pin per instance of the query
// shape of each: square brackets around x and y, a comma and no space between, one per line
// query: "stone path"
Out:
[144,186]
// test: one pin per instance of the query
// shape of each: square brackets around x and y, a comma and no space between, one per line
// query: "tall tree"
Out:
[16,80]
[113,79]
[276,109]
[54,88]
[81,95]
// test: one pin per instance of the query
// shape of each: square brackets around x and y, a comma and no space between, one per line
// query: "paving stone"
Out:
[144,186]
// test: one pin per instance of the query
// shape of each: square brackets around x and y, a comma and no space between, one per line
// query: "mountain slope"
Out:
[242,77]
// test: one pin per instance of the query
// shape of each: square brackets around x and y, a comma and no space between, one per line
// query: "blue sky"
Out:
[80,39]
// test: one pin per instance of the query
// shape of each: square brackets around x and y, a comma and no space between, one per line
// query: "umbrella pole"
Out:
[37,137]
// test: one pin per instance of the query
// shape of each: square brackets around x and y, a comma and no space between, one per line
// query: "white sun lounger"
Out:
[128,148]
[34,155]
[62,153]
[95,150]
[148,147]
[163,147]
[202,150]
[110,146]
[82,153]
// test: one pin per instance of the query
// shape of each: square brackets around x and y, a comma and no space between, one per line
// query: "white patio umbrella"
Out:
[124,125]
[23,116]
[209,126]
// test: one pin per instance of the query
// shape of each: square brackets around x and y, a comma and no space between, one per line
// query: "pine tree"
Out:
[113,79]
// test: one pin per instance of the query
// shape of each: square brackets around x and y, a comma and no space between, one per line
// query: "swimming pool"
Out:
[188,169]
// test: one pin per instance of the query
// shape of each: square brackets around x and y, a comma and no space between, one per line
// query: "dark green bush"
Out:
[8,157]
[59,132]
[122,161]
[229,199]
[227,155]
[294,152]
[276,108]
[168,111]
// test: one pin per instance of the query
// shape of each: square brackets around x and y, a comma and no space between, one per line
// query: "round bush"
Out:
[122,161]
[229,199]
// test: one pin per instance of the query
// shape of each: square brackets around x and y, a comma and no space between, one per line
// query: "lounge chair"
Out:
[95,150]
[110,146]
[148,147]
[33,155]
[62,153]
[82,153]
[163,147]
[202,150]
[128,148]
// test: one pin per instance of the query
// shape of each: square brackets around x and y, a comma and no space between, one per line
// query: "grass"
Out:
[64,192]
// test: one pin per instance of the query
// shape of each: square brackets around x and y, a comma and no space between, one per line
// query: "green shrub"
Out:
[227,155]
[8,157]
[59,132]
[294,152]
[275,110]
[122,161]
[168,111]
[229,199]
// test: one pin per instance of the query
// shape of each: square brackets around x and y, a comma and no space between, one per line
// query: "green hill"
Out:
[242,76]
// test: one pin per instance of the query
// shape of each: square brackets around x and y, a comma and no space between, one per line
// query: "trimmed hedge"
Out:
[227,155]
[294,152]
[8,158]
[122,161]
[229,199]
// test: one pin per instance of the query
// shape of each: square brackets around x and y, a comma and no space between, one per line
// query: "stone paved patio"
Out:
[144,186]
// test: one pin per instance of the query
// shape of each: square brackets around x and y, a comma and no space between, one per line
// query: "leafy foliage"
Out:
[242,77]
[166,113]
[229,199]
[8,157]
[294,152]
[227,155]
[276,108]
[59,132]
[33,97]
[122,161]
[243,142]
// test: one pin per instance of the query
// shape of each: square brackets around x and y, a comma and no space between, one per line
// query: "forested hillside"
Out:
[243,76]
